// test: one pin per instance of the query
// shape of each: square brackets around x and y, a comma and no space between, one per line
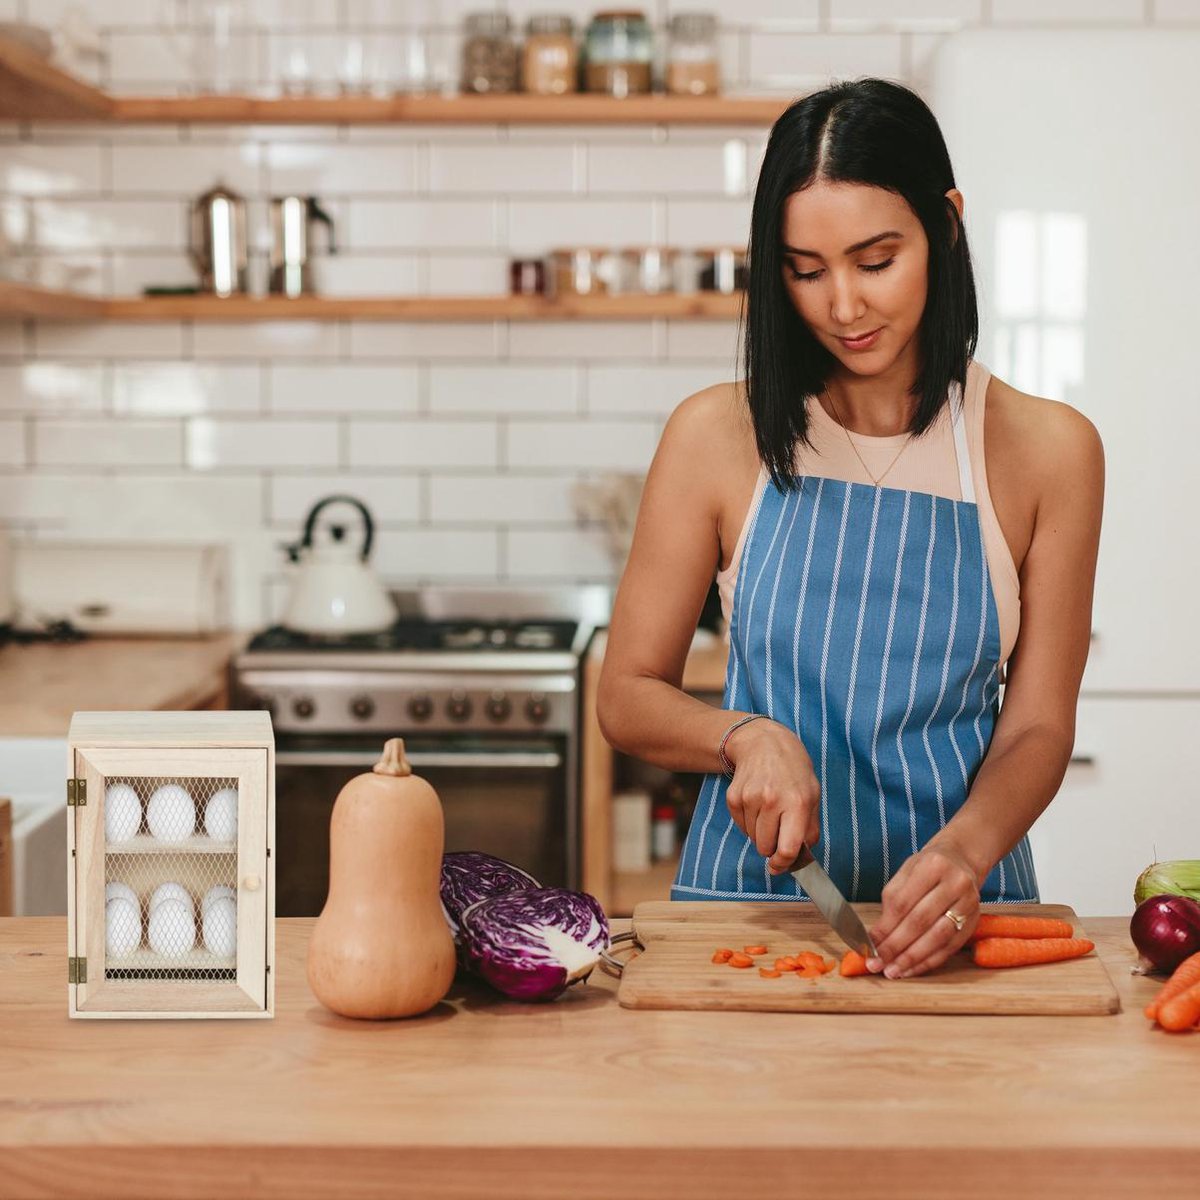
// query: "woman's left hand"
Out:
[913,934]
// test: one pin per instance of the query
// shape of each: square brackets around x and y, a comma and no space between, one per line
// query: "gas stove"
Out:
[455,659]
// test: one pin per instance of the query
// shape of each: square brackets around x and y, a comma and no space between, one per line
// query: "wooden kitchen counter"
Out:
[43,683]
[583,1099]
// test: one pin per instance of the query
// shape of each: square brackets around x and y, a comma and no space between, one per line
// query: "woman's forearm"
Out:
[655,721]
[1014,785]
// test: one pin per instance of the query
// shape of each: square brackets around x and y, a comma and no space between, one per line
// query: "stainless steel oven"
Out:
[508,797]
[489,713]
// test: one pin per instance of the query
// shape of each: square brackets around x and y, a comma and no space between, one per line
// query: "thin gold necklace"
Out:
[876,482]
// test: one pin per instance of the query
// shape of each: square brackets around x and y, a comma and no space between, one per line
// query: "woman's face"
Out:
[855,264]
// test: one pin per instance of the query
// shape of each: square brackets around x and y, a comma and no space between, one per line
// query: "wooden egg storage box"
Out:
[171,878]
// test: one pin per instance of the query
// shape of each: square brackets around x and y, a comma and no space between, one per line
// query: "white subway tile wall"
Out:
[466,439]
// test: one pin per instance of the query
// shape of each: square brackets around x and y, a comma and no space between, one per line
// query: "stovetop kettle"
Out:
[336,591]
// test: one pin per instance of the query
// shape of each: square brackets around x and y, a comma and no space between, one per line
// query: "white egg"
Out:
[171,813]
[172,929]
[122,927]
[215,893]
[117,888]
[122,812]
[220,815]
[220,927]
[171,891]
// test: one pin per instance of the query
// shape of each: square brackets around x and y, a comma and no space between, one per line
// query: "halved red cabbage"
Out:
[470,875]
[532,944]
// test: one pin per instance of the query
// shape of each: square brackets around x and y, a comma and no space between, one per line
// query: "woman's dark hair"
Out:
[873,132]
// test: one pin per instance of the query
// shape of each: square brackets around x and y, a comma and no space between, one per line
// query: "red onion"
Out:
[1166,930]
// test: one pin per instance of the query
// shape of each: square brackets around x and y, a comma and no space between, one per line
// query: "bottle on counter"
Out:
[664,841]
[619,53]
[722,269]
[550,57]
[489,55]
[692,65]
[580,271]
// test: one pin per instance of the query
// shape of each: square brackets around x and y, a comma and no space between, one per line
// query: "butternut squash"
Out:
[381,946]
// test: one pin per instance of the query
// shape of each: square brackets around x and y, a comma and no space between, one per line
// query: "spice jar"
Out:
[618,53]
[550,61]
[578,272]
[648,269]
[722,270]
[527,277]
[489,56]
[692,68]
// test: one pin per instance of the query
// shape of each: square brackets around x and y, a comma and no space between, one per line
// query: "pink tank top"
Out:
[930,464]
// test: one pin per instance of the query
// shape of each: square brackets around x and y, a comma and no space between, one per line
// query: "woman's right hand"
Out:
[774,797]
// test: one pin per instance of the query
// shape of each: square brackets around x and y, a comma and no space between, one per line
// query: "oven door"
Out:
[502,796]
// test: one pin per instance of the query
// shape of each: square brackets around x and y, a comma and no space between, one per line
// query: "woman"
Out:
[891,528]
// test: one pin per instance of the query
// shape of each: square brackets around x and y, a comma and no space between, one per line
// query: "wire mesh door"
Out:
[171,877]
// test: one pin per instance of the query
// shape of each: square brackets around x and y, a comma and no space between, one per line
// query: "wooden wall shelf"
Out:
[30,88]
[19,300]
[24,300]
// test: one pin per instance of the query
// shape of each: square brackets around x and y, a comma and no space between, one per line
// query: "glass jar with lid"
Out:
[580,271]
[550,59]
[649,270]
[489,55]
[619,53]
[722,269]
[692,67]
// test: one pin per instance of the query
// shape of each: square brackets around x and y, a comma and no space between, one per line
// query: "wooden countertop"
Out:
[43,683]
[582,1098]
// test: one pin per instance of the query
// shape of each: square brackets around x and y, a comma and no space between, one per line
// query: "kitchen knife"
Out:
[833,906]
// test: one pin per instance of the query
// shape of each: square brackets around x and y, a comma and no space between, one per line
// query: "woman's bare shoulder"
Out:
[714,424]
[1047,436]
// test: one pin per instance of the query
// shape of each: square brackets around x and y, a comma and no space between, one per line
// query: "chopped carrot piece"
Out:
[722,956]
[808,958]
[767,973]
[1002,925]
[831,965]
[783,964]
[853,963]
[755,949]
[1021,952]
[808,971]
[741,960]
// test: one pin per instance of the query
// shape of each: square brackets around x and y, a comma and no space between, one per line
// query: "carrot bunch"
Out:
[805,965]
[1177,1005]
[1000,940]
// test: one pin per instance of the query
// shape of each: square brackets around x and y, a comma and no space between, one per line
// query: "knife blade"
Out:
[830,902]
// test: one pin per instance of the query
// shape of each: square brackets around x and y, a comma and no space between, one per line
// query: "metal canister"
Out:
[217,241]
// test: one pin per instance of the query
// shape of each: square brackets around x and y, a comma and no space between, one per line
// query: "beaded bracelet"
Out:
[726,765]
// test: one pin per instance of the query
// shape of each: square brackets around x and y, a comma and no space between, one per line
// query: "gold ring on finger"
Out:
[958,919]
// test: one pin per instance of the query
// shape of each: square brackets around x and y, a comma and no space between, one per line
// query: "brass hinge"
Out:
[76,970]
[76,793]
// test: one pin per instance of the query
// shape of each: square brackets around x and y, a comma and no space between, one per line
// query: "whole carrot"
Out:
[1183,977]
[1002,925]
[1181,1011]
[1023,952]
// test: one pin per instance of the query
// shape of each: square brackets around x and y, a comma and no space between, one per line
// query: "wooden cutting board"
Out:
[675,970]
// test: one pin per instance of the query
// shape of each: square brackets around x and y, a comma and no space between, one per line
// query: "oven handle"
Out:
[544,760]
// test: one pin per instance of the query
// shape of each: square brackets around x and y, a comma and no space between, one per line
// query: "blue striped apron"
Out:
[863,618]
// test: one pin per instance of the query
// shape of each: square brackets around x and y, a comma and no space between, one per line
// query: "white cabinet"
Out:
[1131,795]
